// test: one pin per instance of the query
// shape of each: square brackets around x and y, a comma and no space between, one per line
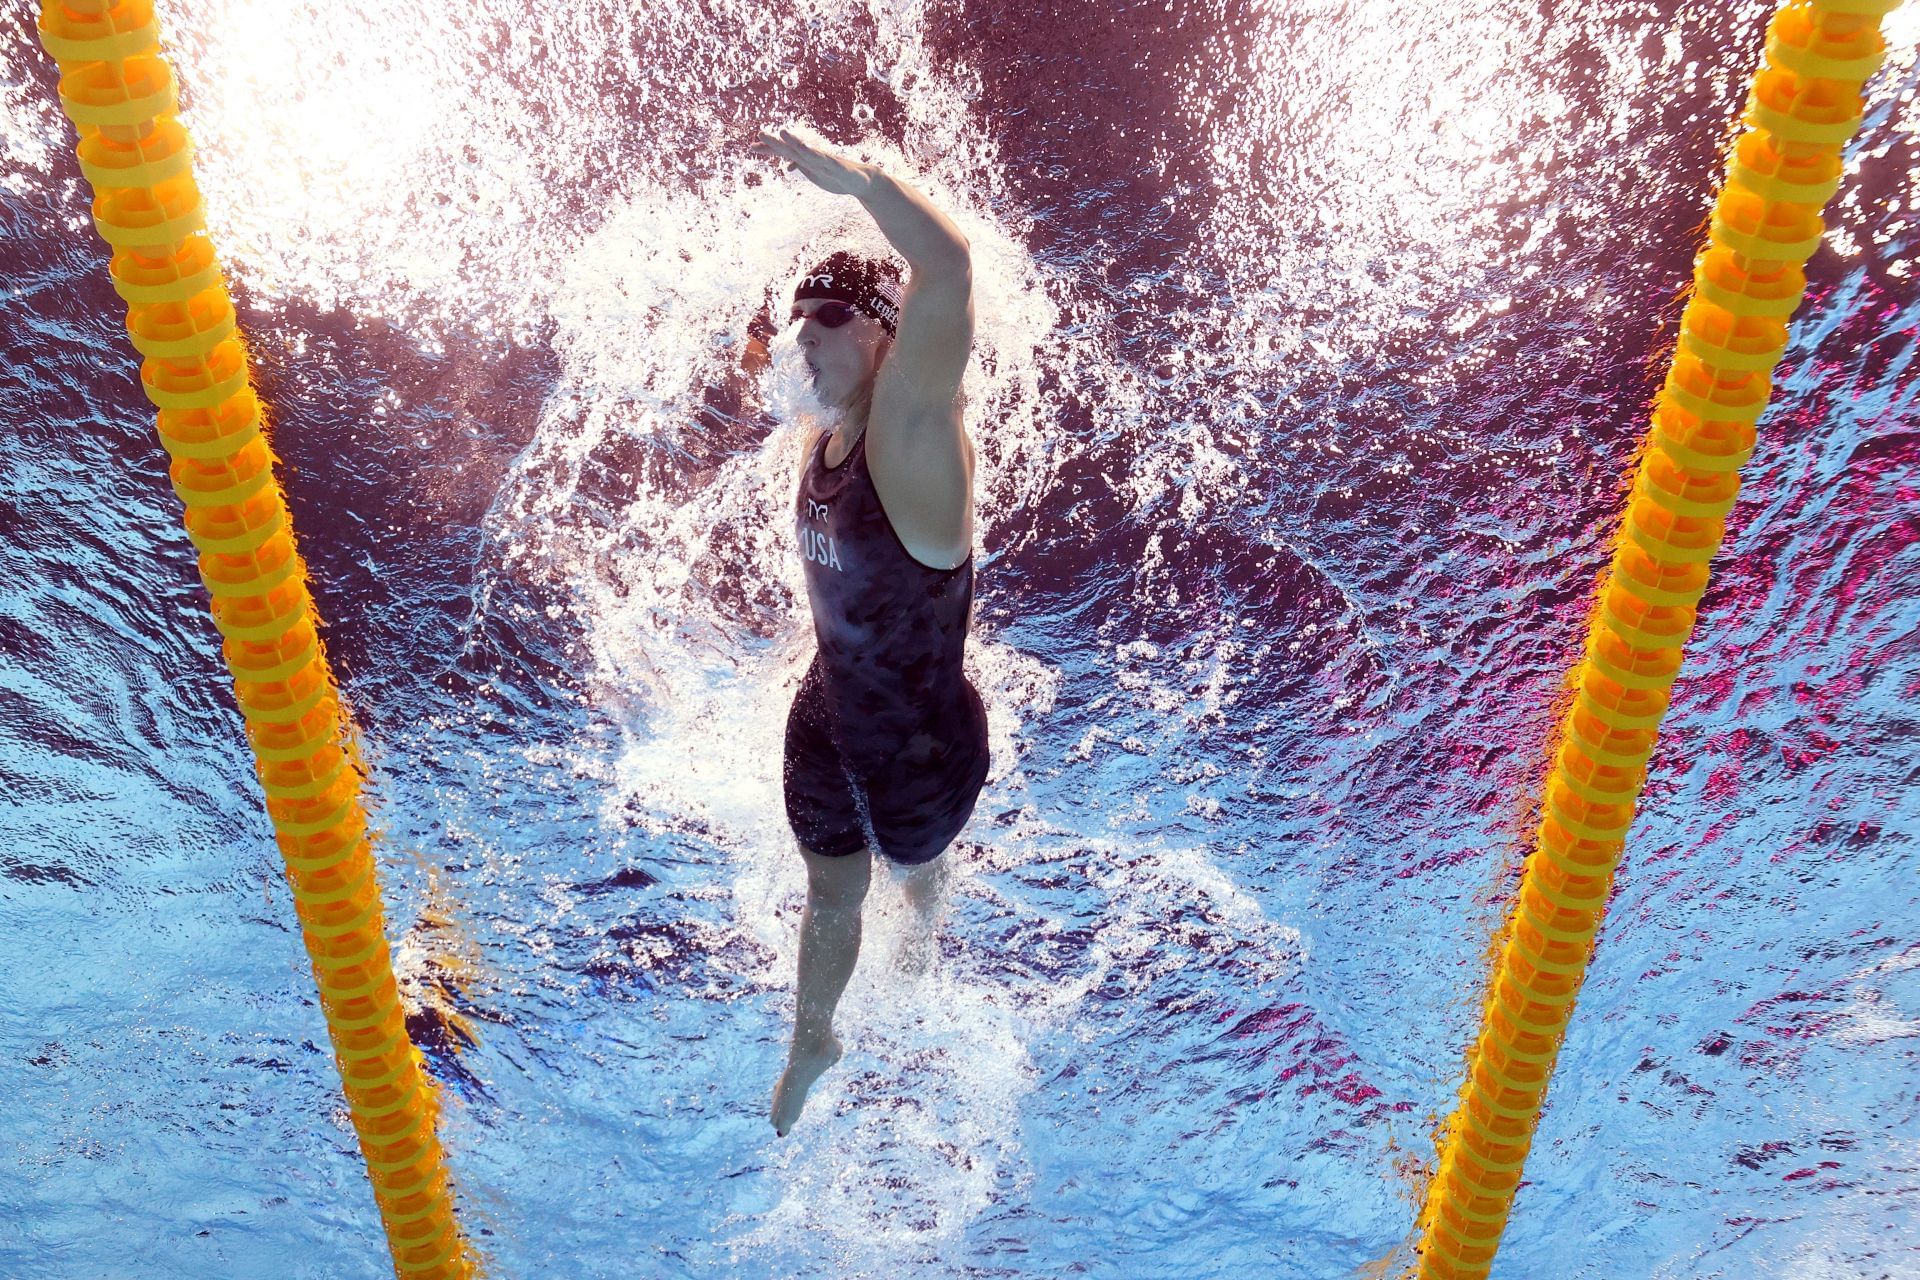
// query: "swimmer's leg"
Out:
[925,887]
[829,946]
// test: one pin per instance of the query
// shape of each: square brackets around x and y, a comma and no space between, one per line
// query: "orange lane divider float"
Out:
[1805,104]
[120,96]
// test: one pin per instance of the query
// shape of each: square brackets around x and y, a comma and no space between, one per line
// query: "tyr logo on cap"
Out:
[871,284]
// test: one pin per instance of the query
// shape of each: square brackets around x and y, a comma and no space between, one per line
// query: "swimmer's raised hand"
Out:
[821,167]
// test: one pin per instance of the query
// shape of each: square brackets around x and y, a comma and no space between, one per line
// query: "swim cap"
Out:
[871,284]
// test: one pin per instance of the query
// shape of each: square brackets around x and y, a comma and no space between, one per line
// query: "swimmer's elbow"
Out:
[948,276]
[954,261]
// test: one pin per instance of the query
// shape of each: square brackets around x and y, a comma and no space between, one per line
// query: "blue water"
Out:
[1314,347]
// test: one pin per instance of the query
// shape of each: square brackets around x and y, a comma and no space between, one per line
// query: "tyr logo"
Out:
[817,282]
[816,545]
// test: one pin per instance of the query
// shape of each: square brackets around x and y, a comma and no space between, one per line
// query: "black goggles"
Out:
[831,315]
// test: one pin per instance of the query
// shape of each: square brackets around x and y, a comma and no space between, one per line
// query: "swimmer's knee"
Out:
[838,882]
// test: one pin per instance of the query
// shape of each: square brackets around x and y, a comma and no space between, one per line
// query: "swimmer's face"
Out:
[845,358]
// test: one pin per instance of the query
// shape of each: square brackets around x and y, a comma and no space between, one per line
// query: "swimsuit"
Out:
[886,742]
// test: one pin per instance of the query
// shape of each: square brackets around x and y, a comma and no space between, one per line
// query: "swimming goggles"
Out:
[831,315]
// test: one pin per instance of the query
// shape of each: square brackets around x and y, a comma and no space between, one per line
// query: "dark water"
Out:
[1314,348]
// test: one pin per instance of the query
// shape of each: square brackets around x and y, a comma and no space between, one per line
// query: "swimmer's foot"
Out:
[804,1065]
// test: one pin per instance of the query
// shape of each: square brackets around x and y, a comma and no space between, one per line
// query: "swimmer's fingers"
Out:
[822,168]
[770,148]
[796,160]
[784,147]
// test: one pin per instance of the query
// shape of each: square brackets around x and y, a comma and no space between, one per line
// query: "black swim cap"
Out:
[871,284]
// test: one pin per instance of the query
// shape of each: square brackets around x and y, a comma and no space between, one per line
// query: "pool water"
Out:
[1315,344]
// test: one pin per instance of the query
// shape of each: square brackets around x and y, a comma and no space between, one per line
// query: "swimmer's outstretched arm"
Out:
[923,235]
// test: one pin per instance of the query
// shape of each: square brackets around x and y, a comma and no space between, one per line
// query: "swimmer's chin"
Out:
[823,415]
[794,397]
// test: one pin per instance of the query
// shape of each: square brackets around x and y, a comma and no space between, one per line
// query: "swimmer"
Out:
[886,741]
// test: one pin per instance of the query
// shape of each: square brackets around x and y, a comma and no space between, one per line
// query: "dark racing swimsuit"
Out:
[887,739]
